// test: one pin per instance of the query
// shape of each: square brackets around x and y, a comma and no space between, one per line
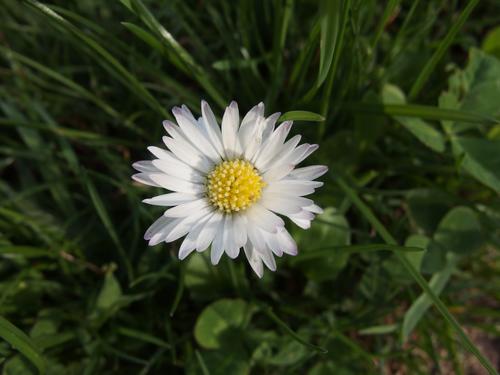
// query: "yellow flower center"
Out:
[234,186]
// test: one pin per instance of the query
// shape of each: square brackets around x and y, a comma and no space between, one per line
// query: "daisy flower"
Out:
[229,184]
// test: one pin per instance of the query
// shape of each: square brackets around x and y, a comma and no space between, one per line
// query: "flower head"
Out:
[229,184]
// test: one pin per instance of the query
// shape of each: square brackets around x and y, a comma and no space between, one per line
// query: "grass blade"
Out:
[102,54]
[422,111]
[441,307]
[332,251]
[104,216]
[301,116]
[18,339]
[180,57]
[440,51]
[330,24]
[269,312]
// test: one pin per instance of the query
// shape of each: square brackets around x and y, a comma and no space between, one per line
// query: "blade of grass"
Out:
[441,307]
[104,216]
[421,111]
[443,46]
[181,58]
[61,79]
[270,313]
[201,362]
[325,103]
[18,339]
[332,251]
[135,334]
[389,8]
[102,54]
[301,116]
[26,251]
[180,290]
[330,23]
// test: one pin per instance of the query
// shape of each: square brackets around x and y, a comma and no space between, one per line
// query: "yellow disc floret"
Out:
[234,186]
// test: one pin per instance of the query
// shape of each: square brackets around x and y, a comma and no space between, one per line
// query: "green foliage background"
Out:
[399,275]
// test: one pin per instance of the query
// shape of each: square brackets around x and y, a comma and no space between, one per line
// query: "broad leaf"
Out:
[422,130]
[219,321]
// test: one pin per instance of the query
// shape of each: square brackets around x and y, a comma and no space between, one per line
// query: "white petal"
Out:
[171,199]
[282,205]
[189,126]
[278,173]
[302,219]
[263,129]
[159,152]
[264,218]
[218,244]
[208,232]
[240,230]
[145,178]
[269,123]
[314,209]
[161,234]
[179,170]
[175,184]
[267,257]
[255,236]
[184,225]
[144,166]
[188,154]
[287,243]
[156,226]
[212,128]
[309,173]
[232,250]
[282,154]
[187,209]
[269,148]
[292,187]
[230,123]
[272,242]
[308,151]
[296,154]
[189,243]
[249,124]
[254,259]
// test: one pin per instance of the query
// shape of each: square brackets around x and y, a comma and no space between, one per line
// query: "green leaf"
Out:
[460,231]
[491,42]
[229,360]
[429,292]
[473,89]
[423,302]
[328,230]
[443,46]
[415,257]
[330,22]
[378,330]
[26,251]
[423,131]
[218,320]
[481,158]
[18,339]
[110,293]
[301,116]
[427,207]
[106,220]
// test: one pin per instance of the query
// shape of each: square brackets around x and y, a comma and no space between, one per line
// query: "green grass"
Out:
[399,275]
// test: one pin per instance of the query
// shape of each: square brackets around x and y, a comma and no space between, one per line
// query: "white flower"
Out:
[229,183]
